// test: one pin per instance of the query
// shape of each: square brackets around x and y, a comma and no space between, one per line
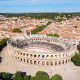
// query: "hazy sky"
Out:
[20,6]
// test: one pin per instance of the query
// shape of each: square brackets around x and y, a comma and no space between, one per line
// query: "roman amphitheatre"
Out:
[32,53]
[40,50]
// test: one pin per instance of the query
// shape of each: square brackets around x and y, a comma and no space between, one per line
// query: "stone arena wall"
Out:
[42,58]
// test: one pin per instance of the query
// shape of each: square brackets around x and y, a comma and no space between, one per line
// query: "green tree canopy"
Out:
[53,35]
[18,76]
[6,76]
[40,75]
[76,59]
[17,30]
[56,77]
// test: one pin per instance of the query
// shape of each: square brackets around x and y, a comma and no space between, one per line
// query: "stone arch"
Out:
[55,62]
[63,61]
[51,63]
[27,61]
[51,56]
[39,62]
[24,60]
[42,56]
[38,56]
[69,59]
[35,62]
[21,59]
[43,62]
[47,63]
[66,61]
[59,62]
[47,56]
[30,61]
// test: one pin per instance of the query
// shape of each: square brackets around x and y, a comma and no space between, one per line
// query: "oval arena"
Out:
[40,50]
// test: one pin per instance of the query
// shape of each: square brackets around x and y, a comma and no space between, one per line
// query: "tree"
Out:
[40,75]
[78,47]
[56,77]
[27,77]
[17,30]
[76,59]
[53,35]
[0,59]
[18,76]
[3,43]
[56,35]
[6,76]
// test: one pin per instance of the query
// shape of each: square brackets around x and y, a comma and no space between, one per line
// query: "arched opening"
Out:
[55,62]
[47,63]
[30,55]
[51,63]
[21,59]
[38,62]
[69,60]
[59,62]
[47,56]
[38,56]
[43,63]
[24,60]
[62,61]
[23,54]
[55,55]
[42,56]
[51,56]
[66,60]
[27,61]
[34,62]
[34,56]
[30,61]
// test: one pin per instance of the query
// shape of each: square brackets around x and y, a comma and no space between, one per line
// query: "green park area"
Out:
[17,30]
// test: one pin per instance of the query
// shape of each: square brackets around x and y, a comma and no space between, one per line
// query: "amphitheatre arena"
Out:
[40,50]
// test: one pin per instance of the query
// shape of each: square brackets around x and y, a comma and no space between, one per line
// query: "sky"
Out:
[35,6]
